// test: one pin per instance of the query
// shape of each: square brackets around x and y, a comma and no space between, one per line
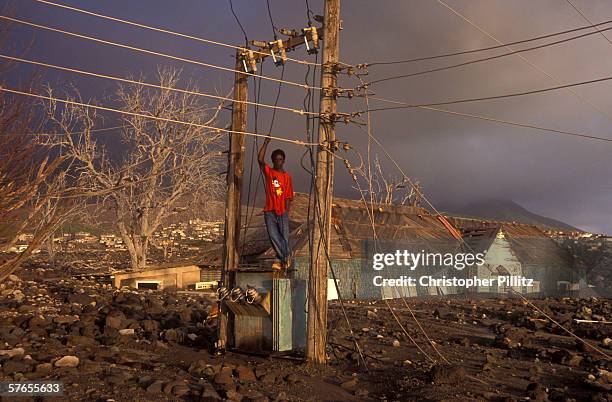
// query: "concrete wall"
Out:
[170,278]
[499,254]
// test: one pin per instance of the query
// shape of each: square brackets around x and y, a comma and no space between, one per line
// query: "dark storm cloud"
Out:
[457,160]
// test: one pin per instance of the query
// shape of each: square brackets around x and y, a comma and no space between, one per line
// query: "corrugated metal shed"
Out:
[530,244]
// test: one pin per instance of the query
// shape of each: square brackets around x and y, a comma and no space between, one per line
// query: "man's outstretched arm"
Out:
[261,156]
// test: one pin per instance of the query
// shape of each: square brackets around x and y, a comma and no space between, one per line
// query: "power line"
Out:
[309,13]
[274,30]
[433,70]
[80,132]
[162,30]
[126,80]
[371,214]
[495,120]
[532,65]
[246,38]
[484,48]
[417,190]
[134,48]
[536,91]
[589,21]
[108,109]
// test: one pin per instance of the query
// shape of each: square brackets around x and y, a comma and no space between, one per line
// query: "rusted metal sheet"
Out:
[253,333]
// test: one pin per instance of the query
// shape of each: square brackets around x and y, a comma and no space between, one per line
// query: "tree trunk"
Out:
[51,249]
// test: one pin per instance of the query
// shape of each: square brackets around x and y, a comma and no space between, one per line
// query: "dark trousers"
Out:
[278,230]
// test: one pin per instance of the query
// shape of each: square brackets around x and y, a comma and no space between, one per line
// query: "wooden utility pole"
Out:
[324,179]
[246,59]
[234,190]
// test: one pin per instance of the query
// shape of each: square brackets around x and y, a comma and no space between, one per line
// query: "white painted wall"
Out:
[499,254]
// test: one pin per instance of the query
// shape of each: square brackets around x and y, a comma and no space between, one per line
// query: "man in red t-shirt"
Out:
[279,193]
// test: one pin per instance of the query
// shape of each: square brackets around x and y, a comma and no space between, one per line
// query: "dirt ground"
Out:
[107,344]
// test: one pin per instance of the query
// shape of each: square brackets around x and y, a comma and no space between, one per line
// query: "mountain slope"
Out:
[506,210]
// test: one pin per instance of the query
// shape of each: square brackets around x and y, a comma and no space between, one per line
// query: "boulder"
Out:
[79,298]
[447,374]
[67,361]
[245,373]
[65,319]
[12,352]
[79,340]
[115,319]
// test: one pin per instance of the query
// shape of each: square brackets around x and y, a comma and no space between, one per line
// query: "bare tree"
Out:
[32,184]
[163,163]
[32,189]
[384,189]
[33,180]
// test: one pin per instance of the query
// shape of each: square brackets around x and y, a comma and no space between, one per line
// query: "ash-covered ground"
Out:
[125,345]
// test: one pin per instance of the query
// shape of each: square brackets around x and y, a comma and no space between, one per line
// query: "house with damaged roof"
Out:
[515,249]
[358,233]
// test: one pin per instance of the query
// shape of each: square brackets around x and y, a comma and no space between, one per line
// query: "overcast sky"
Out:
[458,160]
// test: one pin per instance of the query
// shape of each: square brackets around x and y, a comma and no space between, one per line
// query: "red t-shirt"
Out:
[278,189]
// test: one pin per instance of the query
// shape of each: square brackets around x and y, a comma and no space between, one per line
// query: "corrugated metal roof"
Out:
[352,229]
[479,240]
[529,243]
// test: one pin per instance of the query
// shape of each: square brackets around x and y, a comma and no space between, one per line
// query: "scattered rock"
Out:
[269,378]
[294,378]
[536,392]
[447,374]
[115,319]
[350,384]
[67,361]
[255,396]
[224,376]
[362,393]
[150,325]
[233,395]
[43,369]
[186,314]
[605,375]
[245,374]
[172,335]
[10,353]
[18,295]
[76,340]
[563,356]
[65,319]
[209,394]
[79,298]
[181,389]
[155,387]
[10,367]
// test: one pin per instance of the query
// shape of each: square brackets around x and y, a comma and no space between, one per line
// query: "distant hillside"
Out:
[506,210]
[102,220]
